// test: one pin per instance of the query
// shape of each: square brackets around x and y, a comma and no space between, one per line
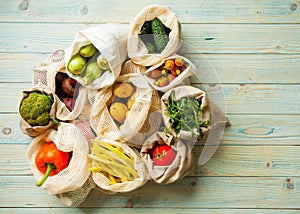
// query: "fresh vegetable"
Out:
[121,101]
[102,62]
[184,115]
[77,64]
[68,86]
[131,101]
[123,90]
[35,109]
[50,161]
[160,36]
[88,51]
[162,154]
[146,28]
[169,64]
[156,73]
[179,61]
[112,162]
[92,72]
[69,102]
[162,81]
[154,35]
[150,46]
[118,111]
[168,71]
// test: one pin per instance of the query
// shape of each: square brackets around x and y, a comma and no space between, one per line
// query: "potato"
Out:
[118,111]
[131,101]
[123,90]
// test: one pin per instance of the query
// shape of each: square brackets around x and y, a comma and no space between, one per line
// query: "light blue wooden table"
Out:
[254,47]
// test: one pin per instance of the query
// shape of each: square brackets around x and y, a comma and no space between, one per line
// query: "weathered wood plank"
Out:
[250,130]
[231,161]
[230,68]
[239,98]
[223,38]
[192,11]
[10,131]
[201,192]
[146,210]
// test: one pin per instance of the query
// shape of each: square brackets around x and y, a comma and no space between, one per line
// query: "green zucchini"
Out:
[160,36]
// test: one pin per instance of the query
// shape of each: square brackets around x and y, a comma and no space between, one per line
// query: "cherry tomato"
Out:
[162,155]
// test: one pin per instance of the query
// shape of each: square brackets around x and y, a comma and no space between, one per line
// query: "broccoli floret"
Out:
[35,109]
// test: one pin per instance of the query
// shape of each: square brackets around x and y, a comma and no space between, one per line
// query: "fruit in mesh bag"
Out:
[88,51]
[111,161]
[92,72]
[123,90]
[162,154]
[118,111]
[77,64]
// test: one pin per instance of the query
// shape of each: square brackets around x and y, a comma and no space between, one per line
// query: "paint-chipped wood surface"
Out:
[253,46]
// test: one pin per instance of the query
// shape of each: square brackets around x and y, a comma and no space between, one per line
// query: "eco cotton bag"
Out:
[179,80]
[55,61]
[181,165]
[104,183]
[101,120]
[34,131]
[137,50]
[210,112]
[67,138]
[111,40]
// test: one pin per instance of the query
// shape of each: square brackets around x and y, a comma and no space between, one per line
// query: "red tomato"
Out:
[163,155]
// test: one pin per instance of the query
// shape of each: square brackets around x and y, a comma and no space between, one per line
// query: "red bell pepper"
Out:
[50,161]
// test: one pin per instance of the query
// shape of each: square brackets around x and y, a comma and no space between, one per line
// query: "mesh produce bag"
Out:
[163,79]
[54,62]
[52,73]
[67,138]
[110,41]
[117,118]
[116,167]
[165,172]
[35,130]
[78,196]
[137,49]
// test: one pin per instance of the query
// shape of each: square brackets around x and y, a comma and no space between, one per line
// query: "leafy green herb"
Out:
[185,115]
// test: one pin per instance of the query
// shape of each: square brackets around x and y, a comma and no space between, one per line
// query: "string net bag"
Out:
[120,111]
[116,167]
[67,138]
[168,79]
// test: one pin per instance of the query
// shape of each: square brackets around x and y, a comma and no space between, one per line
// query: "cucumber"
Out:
[160,36]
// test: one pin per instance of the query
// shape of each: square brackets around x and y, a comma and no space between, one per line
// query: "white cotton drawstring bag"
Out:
[137,50]
[111,41]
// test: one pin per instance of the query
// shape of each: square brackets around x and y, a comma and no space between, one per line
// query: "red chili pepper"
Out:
[50,161]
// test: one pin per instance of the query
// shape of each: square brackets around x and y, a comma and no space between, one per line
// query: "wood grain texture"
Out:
[83,210]
[229,161]
[252,46]
[246,130]
[240,99]
[230,68]
[191,11]
[233,38]
[190,192]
